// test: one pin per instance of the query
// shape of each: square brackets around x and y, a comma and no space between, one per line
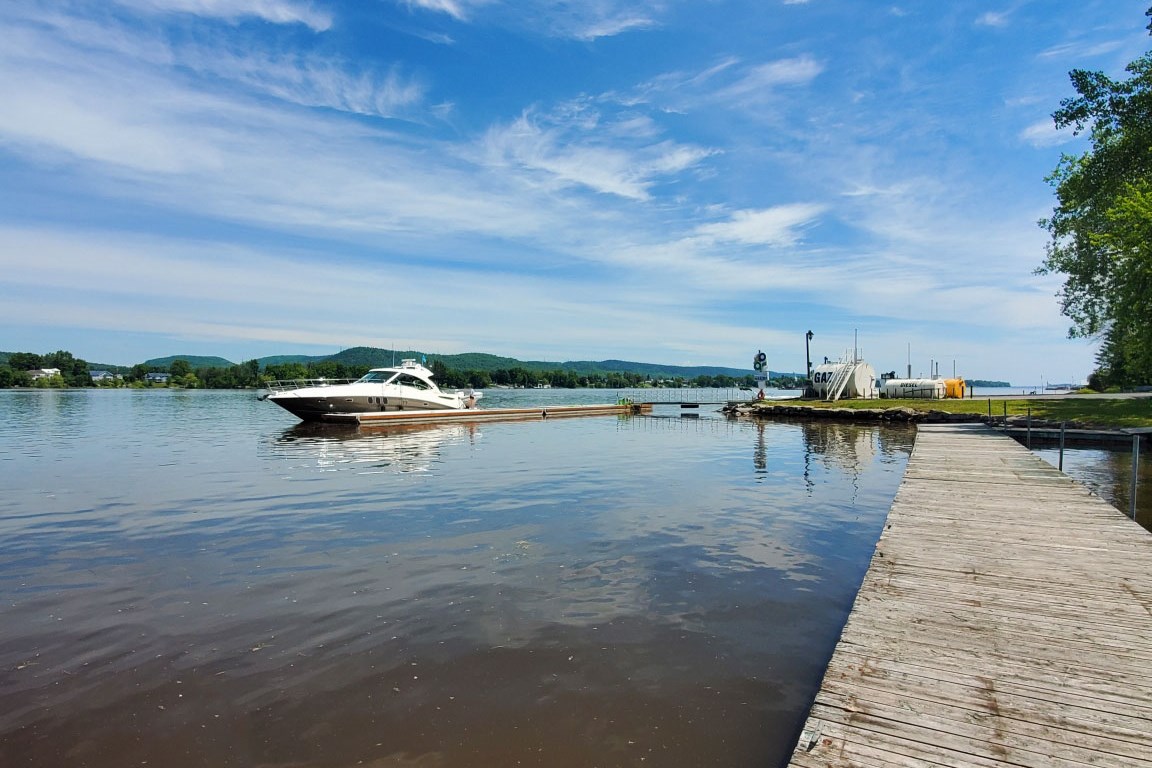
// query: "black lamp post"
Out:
[807,355]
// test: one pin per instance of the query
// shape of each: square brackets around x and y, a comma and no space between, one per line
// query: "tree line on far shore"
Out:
[20,368]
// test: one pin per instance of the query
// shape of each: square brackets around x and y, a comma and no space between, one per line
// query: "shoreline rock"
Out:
[896,415]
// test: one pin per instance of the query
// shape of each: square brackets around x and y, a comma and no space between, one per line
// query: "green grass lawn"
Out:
[1134,412]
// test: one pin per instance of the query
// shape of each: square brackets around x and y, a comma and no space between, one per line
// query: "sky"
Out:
[683,182]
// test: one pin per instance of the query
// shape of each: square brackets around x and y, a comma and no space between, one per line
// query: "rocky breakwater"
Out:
[768,410]
[896,415]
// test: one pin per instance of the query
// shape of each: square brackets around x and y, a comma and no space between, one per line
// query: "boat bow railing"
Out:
[287,385]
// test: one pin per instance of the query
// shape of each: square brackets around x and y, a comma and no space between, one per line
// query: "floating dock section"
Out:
[486,414]
[1006,619]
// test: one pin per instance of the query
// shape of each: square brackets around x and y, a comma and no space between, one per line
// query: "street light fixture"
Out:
[807,356]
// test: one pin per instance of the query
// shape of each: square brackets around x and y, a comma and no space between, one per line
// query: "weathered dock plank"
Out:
[1005,619]
[378,418]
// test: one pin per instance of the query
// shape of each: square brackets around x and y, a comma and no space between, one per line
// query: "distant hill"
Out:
[655,370]
[196,361]
[374,357]
[109,367]
[284,359]
[4,356]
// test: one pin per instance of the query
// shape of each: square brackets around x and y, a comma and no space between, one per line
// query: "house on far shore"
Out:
[157,378]
[99,376]
[43,373]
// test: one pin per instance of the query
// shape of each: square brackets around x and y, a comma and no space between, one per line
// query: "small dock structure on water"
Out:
[486,414]
[1005,620]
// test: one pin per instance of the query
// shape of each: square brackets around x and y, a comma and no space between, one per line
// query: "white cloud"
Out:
[1082,50]
[588,20]
[569,147]
[729,84]
[76,46]
[759,81]
[611,26]
[257,295]
[273,11]
[129,129]
[67,113]
[1046,134]
[777,226]
[457,9]
[992,19]
[314,81]
[591,20]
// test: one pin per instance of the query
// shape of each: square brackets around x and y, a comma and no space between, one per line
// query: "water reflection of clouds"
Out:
[588,524]
[702,522]
[368,450]
[305,564]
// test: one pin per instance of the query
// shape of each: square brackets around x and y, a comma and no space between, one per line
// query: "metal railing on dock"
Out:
[687,395]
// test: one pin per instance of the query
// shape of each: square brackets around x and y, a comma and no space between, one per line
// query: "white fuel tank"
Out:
[861,383]
[923,389]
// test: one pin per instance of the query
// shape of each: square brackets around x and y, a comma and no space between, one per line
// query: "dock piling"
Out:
[1135,474]
[1063,424]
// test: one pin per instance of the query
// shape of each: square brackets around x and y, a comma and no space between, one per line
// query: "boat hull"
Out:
[315,407]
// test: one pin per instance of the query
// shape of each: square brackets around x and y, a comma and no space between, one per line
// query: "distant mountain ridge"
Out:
[374,357]
[196,361]
[469,361]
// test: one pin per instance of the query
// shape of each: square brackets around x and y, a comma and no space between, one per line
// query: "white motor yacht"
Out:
[405,387]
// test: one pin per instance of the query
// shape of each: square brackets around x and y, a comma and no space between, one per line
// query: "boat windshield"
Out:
[395,377]
[407,380]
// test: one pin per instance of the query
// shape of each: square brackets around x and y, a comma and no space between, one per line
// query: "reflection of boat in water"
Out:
[402,447]
[406,387]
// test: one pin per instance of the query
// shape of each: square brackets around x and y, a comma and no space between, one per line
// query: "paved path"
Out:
[1006,619]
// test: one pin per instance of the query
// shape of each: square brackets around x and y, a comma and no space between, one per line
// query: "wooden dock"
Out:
[486,414]
[1006,619]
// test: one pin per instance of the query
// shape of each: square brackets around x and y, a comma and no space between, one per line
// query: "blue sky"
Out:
[680,182]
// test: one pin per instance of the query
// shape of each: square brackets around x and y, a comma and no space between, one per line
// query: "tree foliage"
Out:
[1101,228]
[74,372]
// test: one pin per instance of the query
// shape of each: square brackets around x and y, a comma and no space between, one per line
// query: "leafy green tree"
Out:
[477,379]
[329,369]
[73,370]
[25,361]
[286,371]
[1101,228]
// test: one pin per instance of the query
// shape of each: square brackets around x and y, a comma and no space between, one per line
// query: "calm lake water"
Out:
[194,579]
[1108,472]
